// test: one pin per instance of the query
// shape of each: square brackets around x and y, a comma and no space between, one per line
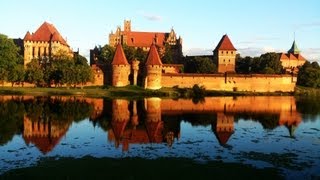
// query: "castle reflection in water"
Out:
[153,120]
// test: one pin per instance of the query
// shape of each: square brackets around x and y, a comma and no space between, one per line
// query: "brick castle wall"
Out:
[232,82]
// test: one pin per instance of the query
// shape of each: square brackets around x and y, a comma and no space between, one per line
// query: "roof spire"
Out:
[294,48]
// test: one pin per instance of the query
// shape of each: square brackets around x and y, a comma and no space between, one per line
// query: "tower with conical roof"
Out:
[154,69]
[120,68]
[292,59]
[225,55]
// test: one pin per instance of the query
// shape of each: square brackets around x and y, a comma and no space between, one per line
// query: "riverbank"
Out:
[139,92]
[138,168]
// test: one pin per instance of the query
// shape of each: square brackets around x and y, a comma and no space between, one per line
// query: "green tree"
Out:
[270,61]
[168,55]
[34,72]
[130,52]
[17,75]
[309,75]
[106,54]
[199,65]
[9,57]
[243,65]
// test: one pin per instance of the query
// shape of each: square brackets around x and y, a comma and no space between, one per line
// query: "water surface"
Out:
[277,132]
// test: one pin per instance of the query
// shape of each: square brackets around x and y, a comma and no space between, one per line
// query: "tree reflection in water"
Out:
[44,120]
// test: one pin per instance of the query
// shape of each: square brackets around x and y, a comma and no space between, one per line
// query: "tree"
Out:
[106,54]
[130,52]
[9,53]
[309,75]
[17,75]
[270,61]
[34,72]
[168,55]
[243,65]
[9,57]
[199,65]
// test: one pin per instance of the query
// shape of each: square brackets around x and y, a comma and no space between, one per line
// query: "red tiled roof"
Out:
[223,137]
[118,128]
[292,56]
[44,33]
[145,39]
[154,131]
[153,56]
[28,36]
[44,144]
[225,44]
[300,57]
[119,57]
[283,56]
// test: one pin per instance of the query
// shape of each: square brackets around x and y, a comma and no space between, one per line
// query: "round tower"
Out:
[120,68]
[154,69]
[153,121]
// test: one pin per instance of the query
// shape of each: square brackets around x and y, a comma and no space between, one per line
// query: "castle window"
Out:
[224,60]
[33,49]
[221,52]
[227,52]
[229,60]
[231,52]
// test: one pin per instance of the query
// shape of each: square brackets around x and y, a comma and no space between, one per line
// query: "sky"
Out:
[254,26]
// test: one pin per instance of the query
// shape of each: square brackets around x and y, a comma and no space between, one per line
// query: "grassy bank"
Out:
[107,91]
[133,92]
[137,168]
[306,91]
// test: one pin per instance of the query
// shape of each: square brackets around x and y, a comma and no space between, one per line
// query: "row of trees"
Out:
[58,70]
[267,63]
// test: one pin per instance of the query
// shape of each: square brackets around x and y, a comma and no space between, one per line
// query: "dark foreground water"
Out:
[280,133]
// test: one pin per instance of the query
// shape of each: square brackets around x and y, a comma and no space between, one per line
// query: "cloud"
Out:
[311,54]
[150,17]
[198,51]
[306,25]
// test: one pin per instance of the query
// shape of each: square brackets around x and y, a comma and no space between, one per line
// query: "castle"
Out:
[157,77]
[143,40]
[44,43]
[47,42]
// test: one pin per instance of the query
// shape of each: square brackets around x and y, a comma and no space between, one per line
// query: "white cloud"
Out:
[197,51]
[150,17]
[307,25]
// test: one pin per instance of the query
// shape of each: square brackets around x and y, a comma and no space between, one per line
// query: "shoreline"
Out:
[138,92]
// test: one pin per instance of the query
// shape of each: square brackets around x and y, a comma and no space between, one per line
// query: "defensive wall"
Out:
[231,82]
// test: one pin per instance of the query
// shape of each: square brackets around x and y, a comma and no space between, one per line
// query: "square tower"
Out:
[225,55]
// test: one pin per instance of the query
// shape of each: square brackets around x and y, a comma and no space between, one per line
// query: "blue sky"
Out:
[254,27]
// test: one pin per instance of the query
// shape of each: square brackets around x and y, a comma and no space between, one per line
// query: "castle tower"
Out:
[44,43]
[223,128]
[154,69]
[127,25]
[135,69]
[153,122]
[120,119]
[225,55]
[292,60]
[120,68]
